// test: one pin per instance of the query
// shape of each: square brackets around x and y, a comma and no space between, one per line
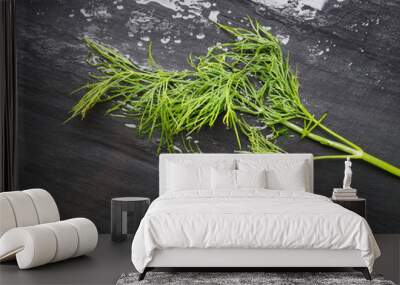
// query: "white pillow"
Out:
[188,177]
[223,179]
[251,179]
[187,174]
[281,174]
[290,177]
[230,180]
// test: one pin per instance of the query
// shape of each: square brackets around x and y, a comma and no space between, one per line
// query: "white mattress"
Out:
[253,219]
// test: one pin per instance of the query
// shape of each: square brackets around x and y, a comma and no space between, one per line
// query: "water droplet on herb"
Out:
[200,36]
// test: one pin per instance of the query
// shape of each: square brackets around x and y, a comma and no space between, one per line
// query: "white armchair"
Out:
[31,230]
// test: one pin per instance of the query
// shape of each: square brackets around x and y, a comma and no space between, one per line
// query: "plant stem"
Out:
[381,164]
[329,131]
[354,153]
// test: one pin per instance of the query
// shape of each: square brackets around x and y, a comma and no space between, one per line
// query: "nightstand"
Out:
[119,214]
[358,206]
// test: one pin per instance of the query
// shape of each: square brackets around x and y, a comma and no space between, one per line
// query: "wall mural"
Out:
[201,76]
[249,76]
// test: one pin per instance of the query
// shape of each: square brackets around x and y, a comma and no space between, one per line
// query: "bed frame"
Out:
[249,258]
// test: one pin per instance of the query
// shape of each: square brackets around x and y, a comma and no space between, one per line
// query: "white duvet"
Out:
[250,219]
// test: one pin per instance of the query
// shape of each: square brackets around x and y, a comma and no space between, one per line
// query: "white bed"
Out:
[249,227]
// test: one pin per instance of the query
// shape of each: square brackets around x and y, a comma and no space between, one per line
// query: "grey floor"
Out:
[103,266]
[110,260]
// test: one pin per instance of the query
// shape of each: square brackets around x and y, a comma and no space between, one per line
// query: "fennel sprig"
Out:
[247,77]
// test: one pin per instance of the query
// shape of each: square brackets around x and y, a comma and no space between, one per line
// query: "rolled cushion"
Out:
[26,208]
[33,246]
[23,208]
[7,218]
[87,233]
[37,245]
[45,205]
[66,238]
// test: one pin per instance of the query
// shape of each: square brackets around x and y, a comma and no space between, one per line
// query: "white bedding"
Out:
[250,219]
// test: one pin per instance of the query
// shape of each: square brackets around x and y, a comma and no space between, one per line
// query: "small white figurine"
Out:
[347,174]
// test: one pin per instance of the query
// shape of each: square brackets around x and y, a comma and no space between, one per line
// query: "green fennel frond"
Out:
[249,77]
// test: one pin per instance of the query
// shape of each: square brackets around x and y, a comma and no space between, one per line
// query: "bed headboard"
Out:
[210,157]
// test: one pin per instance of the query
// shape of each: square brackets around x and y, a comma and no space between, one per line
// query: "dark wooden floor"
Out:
[110,260]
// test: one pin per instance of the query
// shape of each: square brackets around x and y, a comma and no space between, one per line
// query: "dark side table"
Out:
[358,206]
[119,214]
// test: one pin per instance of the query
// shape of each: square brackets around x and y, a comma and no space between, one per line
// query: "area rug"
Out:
[244,278]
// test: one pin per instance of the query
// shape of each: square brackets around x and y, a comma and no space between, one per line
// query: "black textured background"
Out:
[347,55]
